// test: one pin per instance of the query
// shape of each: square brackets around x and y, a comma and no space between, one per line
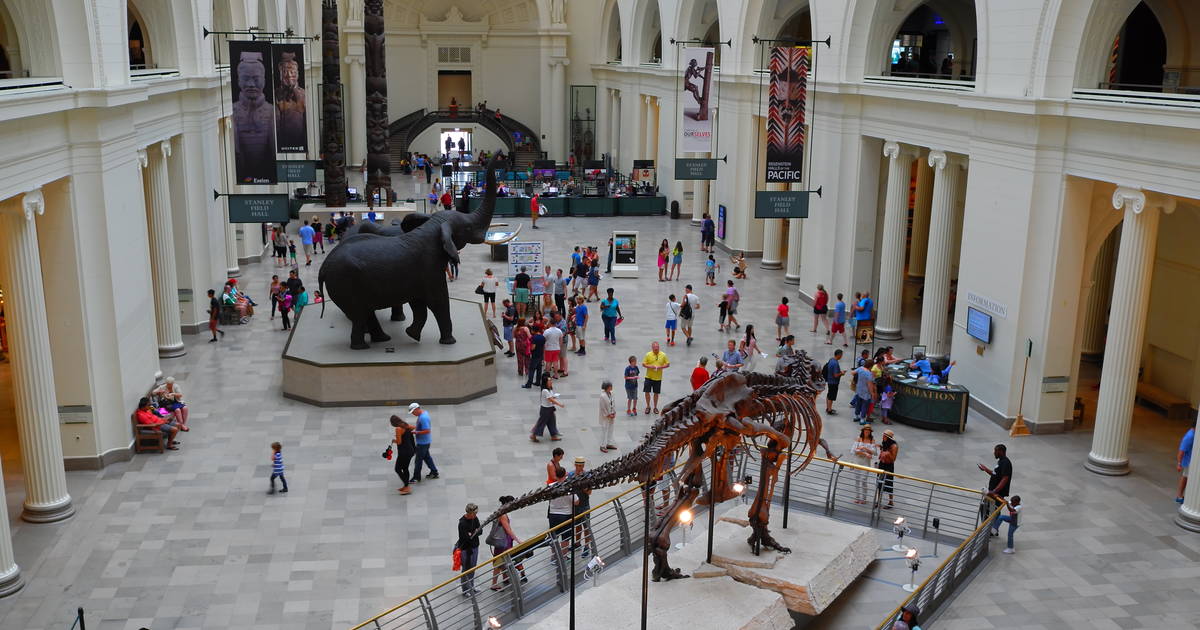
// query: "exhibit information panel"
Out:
[695,168]
[257,208]
[528,254]
[624,254]
[927,405]
[781,204]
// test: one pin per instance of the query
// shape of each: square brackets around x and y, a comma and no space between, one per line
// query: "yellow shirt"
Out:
[655,364]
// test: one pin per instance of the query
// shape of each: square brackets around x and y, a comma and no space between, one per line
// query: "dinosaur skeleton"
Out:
[773,413]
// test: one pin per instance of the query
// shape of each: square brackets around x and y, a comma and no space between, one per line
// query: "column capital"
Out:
[939,160]
[33,203]
[1125,198]
[352,59]
[143,158]
[165,147]
[646,98]
[893,150]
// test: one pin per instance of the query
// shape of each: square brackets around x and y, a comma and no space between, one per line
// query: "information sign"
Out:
[257,208]
[781,204]
[528,254]
[695,168]
[296,170]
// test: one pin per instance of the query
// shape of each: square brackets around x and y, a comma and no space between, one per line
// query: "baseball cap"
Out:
[414,406]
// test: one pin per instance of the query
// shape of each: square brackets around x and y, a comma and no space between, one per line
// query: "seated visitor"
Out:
[230,298]
[147,414]
[170,397]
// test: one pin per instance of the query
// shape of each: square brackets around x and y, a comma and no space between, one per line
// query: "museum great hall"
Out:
[1015,183]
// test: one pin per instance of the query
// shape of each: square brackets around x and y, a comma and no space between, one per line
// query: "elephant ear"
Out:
[448,242]
[413,220]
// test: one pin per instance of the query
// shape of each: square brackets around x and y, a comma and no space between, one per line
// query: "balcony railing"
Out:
[926,81]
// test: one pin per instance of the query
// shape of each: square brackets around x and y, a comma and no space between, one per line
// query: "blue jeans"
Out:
[861,405]
[535,367]
[610,327]
[1012,527]
[470,557]
[423,456]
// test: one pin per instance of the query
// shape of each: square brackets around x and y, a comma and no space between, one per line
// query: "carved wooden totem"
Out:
[333,135]
[379,168]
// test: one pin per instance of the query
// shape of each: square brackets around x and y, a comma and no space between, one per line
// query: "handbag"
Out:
[479,289]
[387,453]
[456,561]
[497,537]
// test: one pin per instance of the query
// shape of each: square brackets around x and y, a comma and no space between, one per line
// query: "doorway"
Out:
[456,143]
[454,85]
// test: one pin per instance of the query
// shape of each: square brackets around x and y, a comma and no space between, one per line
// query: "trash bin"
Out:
[674,209]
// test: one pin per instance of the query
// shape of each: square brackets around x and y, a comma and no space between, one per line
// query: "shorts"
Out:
[552,356]
[652,386]
[212,324]
[733,309]
[831,390]
[781,321]
[308,249]
[837,327]
[489,298]
[521,296]
[508,333]
[671,324]
[685,322]
[710,274]
[280,252]
[821,311]
[580,332]
[1185,472]
[631,392]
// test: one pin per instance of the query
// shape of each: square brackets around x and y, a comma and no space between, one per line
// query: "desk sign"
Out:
[695,168]
[296,170]
[257,208]
[624,254]
[781,204]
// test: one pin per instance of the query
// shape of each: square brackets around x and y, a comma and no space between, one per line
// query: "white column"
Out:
[653,122]
[356,110]
[231,256]
[649,139]
[10,573]
[700,198]
[162,255]
[918,248]
[891,256]
[1099,297]
[558,112]
[603,100]
[795,241]
[46,497]
[947,170]
[1126,329]
[1189,513]
[772,252]
[614,125]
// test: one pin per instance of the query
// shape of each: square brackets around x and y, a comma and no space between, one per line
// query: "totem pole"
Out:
[333,135]
[379,167]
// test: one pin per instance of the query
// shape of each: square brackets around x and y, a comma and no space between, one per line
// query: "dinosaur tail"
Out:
[608,474]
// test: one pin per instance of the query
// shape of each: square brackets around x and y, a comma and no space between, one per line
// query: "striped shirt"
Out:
[277,463]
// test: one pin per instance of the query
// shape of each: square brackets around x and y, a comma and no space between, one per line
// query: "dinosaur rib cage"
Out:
[785,401]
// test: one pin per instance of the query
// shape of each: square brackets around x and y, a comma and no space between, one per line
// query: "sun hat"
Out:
[580,460]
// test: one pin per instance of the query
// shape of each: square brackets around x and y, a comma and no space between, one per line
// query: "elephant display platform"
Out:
[320,369]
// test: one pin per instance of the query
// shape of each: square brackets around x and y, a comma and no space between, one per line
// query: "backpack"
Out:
[827,370]
[685,311]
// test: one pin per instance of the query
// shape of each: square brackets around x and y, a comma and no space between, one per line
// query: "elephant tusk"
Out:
[505,239]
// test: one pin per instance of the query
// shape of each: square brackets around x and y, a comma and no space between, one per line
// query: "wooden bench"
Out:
[1176,407]
[146,437]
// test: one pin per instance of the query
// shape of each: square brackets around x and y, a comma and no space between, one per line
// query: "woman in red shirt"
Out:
[820,309]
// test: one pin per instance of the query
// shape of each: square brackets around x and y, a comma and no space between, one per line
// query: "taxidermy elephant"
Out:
[370,271]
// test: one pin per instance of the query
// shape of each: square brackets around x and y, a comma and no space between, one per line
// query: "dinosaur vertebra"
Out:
[729,409]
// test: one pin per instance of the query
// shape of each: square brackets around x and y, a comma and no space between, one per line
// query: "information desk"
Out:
[641,206]
[924,405]
[579,206]
[593,206]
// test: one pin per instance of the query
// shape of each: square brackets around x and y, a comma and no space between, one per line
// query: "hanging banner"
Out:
[781,204]
[291,104]
[694,99]
[253,113]
[257,208]
[785,113]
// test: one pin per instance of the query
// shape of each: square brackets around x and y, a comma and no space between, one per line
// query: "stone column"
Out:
[772,252]
[651,129]
[602,121]
[1189,513]
[356,145]
[231,255]
[795,241]
[558,111]
[46,497]
[700,198]
[918,247]
[1096,316]
[947,170]
[891,257]
[614,127]
[1126,329]
[10,573]
[162,255]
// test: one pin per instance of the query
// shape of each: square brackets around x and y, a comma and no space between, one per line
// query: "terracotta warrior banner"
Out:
[253,112]
[291,104]
[785,113]
[694,99]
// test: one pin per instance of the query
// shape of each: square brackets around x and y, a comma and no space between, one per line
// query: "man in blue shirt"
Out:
[839,322]
[423,437]
[866,306]
[833,377]
[306,238]
[733,358]
[581,320]
[1184,459]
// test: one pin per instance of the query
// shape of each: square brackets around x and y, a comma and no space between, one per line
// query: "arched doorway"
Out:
[612,38]
[140,56]
[1139,53]
[937,40]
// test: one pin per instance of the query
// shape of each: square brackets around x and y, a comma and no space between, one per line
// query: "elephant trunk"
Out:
[481,217]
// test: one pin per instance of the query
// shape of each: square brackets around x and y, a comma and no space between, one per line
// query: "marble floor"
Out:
[190,540]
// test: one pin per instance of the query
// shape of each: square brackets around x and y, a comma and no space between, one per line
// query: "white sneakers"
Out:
[1009,550]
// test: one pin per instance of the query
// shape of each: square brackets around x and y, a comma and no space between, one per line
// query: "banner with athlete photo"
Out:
[785,113]
[694,98]
[253,112]
[291,103]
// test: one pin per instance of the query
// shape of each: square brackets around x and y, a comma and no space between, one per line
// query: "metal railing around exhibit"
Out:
[537,571]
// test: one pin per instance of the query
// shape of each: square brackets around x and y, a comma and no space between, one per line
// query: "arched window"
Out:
[649,28]
[936,41]
[139,44]
[656,49]
[613,38]
[10,49]
[713,36]
[1139,53]
[798,27]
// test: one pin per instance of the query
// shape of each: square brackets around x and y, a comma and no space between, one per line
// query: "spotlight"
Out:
[900,529]
[738,487]
[685,517]
[913,558]
[493,622]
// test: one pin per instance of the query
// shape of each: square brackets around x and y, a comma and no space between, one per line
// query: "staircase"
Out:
[405,129]
[524,159]
[398,132]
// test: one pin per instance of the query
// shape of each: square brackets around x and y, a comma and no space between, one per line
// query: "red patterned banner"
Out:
[785,113]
